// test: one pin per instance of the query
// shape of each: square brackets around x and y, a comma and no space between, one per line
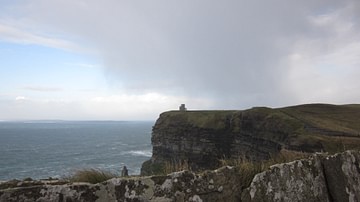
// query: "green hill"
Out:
[336,127]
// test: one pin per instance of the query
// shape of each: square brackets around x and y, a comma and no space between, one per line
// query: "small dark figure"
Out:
[124,172]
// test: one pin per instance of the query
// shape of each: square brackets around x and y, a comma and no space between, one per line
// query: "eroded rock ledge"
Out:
[319,178]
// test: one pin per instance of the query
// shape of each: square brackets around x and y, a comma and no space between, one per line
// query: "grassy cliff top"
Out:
[211,119]
[329,127]
[339,118]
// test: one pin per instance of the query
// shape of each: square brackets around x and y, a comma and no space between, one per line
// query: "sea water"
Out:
[43,149]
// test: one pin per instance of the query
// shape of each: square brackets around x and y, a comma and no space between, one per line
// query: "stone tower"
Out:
[182,108]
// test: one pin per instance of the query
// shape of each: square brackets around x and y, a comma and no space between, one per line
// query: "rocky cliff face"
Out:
[198,140]
[177,139]
[319,178]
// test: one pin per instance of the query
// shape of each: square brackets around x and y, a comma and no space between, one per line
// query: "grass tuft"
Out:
[285,156]
[175,166]
[248,169]
[92,176]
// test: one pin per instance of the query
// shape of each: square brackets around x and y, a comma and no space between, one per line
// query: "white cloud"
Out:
[115,107]
[20,98]
[18,35]
[147,105]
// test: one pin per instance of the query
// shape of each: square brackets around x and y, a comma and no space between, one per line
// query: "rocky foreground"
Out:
[319,178]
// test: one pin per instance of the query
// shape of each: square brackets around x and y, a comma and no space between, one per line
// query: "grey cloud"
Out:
[234,52]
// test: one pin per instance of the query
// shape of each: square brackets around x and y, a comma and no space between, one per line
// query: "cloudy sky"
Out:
[131,60]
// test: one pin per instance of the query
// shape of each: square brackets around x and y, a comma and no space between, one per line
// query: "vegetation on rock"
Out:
[92,176]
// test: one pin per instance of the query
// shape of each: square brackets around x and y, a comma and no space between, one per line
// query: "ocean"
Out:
[43,149]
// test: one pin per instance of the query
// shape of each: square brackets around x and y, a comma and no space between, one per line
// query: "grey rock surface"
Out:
[202,138]
[342,172]
[319,178]
[214,185]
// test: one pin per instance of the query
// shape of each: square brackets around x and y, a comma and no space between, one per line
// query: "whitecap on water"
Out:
[146,153]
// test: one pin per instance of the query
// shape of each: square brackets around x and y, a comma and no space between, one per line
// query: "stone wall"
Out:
[216,185]
[319,178]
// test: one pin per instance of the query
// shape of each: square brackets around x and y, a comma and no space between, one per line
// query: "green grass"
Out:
[149,168]
[203,119]
[175,166]
[166,167]
[288,124]
[92,176]
[248,169]
[341,118]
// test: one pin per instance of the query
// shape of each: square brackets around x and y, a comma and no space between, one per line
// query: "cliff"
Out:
[319,178]
[199,140]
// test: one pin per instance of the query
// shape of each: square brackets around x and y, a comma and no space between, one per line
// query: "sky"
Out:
[132,60]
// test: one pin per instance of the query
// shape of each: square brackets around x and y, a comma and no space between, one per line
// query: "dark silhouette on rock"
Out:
[124,172]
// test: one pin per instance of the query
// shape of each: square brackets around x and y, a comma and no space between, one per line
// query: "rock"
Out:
[179,186]
[342,172]
[295,181]
[199,140]
[319,178]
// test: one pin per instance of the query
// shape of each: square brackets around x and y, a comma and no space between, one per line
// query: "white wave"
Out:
[146,153]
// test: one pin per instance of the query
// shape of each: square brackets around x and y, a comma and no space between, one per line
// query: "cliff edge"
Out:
[200,140]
